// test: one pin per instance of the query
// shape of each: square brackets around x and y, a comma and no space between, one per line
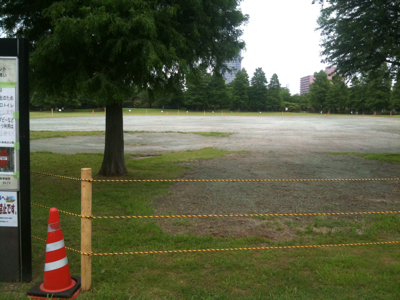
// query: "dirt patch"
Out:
[232,227]
[275,197]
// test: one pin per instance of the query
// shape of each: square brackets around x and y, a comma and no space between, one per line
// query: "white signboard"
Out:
[8,209]
[8,124]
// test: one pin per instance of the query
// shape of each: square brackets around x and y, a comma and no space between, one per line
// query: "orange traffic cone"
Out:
[281,113]
[237,114]
[167,113]
[57,277]
[93,112]
[325,115]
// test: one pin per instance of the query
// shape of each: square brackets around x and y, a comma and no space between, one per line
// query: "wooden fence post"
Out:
[86,229]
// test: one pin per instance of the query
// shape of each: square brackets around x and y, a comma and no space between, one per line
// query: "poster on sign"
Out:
[8,169]
[8,209]
[7,122]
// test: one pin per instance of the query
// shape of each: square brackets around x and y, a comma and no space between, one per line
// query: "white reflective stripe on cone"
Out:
[56,264]
[55,246]
[53,227]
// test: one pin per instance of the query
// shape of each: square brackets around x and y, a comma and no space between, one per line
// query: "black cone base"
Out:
[37,293]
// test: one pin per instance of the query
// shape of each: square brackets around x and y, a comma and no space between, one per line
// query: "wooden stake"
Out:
[86,230]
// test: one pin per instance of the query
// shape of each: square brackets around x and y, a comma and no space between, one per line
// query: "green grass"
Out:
[175,112]
[367,272]
[221,134]
[35,135]
[390,157]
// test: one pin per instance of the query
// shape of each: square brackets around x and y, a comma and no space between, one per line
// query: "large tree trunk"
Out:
[114,161]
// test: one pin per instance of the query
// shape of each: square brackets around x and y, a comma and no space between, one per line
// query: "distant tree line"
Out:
[371,92]
[368,93]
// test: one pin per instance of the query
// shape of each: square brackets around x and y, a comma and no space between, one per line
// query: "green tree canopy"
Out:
[357,95]
[240,87]
[319,90]
[378,89]
[106,50]
[274,100]
[197,94]
[395,95]
[336,99]
[360,35]
[258,90]
[218,94]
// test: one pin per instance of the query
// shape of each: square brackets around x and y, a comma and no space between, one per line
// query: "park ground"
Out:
[290,146]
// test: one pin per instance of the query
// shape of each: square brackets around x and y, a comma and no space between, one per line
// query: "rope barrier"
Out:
[227,249]
[71,249]
[228,215]
[219,180]
[61,211]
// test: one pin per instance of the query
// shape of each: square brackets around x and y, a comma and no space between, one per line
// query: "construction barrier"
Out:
[87,217]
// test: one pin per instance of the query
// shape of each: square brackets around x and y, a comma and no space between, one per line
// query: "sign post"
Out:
[15,213]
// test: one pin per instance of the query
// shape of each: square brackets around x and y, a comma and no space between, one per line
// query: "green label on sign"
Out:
[8,84]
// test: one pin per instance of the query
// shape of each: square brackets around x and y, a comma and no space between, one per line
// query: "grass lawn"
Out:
[364,272]
[175,112]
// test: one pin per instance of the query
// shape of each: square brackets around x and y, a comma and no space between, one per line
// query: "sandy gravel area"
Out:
[280,134]
[278,147]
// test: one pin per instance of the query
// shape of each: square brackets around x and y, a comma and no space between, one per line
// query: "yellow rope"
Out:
[228,215]
[61,211]
[72,249]
[227,249]
[219,180]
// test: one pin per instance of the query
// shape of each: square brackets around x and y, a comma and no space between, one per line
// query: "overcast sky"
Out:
[281,38]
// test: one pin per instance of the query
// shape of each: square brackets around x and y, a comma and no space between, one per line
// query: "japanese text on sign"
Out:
[8,209]
[7,122]
[8,70]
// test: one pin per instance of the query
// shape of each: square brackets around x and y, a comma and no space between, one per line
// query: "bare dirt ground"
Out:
[278,148]
[276,197]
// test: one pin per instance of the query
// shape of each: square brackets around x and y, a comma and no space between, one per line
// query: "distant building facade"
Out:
[235,66]
[306,81]
[305,84]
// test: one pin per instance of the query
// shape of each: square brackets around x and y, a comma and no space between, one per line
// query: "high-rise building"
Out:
[305,84]
[235,65]
[306,81]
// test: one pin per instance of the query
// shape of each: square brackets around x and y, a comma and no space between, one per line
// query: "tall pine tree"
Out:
[258,90]
[274,100]
[240,87]
[319,90]
[107,50]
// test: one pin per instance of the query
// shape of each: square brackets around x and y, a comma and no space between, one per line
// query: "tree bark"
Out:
[114,161]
